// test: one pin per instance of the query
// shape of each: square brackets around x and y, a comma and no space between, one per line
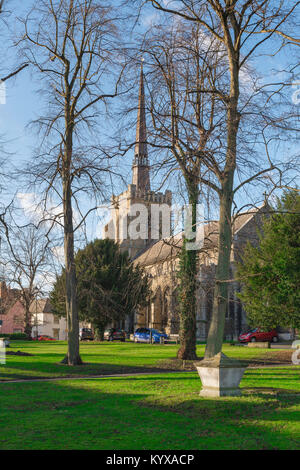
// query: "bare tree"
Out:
[72,47]
[5,74]
[26,257]
[240,29]
[186,124]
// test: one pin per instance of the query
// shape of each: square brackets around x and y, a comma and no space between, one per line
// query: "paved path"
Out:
[131,374]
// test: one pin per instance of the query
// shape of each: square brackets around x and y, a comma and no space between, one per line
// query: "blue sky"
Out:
[23,104]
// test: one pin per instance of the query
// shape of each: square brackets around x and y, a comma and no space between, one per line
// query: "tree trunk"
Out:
[220,303]
[28,325]
[216,329]
[187,289]
[73,358]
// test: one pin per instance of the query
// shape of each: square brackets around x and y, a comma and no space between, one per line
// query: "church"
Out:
[159,254]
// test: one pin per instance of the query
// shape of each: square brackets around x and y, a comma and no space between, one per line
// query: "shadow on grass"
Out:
[110,414]
[40,370]
[132,358]
[262,392]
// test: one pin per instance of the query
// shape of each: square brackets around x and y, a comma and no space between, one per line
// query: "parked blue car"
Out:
[148,335]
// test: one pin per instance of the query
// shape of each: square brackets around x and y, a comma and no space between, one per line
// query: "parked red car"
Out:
[257,334]
[45,338]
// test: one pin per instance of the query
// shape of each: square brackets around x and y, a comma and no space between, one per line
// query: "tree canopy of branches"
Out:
[184,123]
[71,46]
[6,72]
[110,287]
[236,31]
[19,68]
[270,272]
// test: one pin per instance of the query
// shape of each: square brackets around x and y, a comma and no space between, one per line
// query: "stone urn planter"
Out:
[220,376]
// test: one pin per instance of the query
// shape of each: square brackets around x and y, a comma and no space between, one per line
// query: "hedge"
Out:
[14,336]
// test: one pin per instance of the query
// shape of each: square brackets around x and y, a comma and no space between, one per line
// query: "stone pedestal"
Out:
[220,376]
[260,344]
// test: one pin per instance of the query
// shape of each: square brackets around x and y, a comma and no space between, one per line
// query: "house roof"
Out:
[41,306]
[169,248]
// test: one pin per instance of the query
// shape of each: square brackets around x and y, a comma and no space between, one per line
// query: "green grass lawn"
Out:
[152,412]
[162,411]
[103,358]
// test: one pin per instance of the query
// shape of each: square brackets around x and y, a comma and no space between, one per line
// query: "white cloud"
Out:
[27,202]
[151,20]
[36,211]
[59,254]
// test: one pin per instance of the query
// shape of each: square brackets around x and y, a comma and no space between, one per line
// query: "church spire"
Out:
[140,174]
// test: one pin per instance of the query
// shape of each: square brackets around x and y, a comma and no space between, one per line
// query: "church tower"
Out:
[136,205]
[140,167]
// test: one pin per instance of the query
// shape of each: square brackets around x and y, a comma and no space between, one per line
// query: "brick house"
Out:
[12,315]
[44,322]
[13,320]
[12,310]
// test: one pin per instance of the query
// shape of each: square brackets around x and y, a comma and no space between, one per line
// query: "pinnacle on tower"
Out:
[141,176]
